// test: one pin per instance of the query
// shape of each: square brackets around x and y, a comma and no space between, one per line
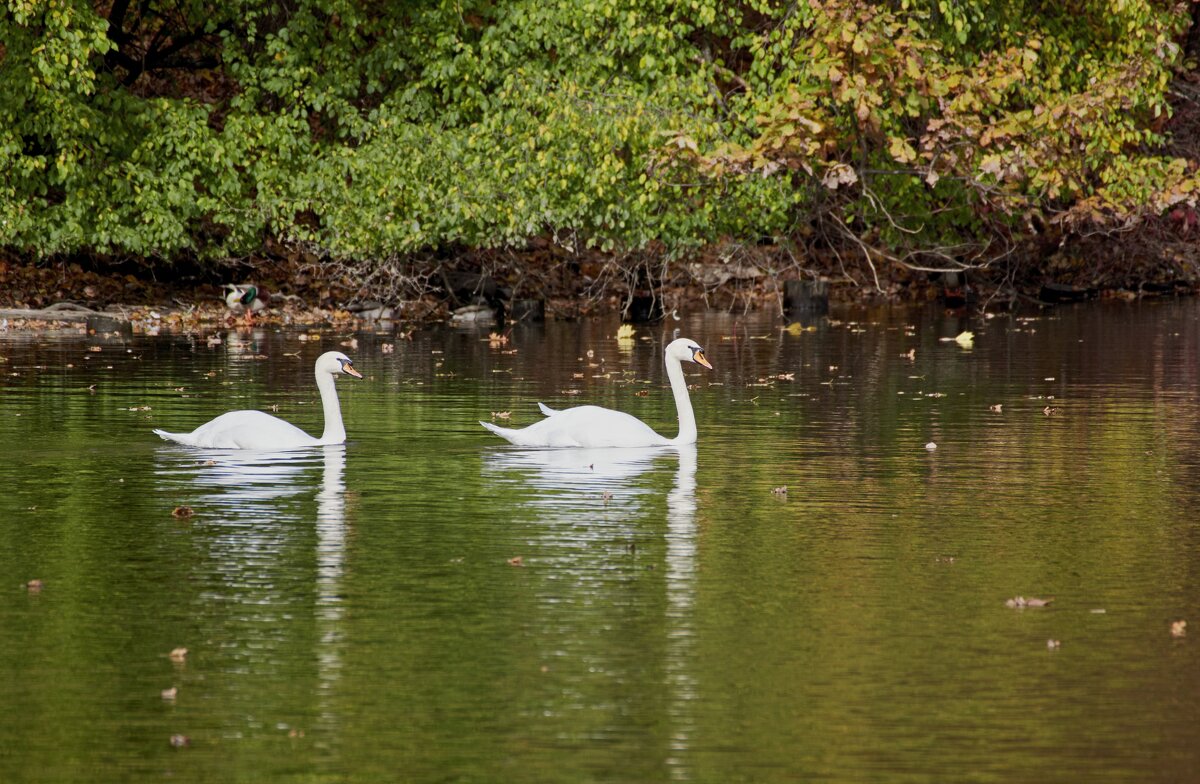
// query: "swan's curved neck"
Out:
[683,403]
[335,431]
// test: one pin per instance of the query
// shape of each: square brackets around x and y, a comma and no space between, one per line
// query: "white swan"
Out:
[592,426]
[256,430]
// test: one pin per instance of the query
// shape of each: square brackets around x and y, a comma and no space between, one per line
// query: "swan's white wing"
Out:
[244,430]
[585,426]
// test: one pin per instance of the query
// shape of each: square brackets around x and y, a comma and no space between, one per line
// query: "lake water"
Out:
[351,613]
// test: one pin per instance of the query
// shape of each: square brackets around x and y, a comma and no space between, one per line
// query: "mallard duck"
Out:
[245,299]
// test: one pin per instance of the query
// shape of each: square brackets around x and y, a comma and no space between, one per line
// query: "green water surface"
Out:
[351,613]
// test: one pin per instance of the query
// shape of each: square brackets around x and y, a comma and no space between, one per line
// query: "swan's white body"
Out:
[593,426]
[256,430]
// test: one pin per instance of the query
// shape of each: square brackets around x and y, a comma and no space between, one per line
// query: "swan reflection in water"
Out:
[680,621]
[256,506]
[578,482]
[591,491]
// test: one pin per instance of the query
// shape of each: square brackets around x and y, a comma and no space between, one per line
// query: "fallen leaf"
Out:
[178,654]
[34,586]
[387,348]
[1179,629]
[931,446]
[1053,645]
[182,511]
[169,694]
[781,490]
[1021,601]
[997,408]
[180,741]
[625,332]
[516,561]
[965,339]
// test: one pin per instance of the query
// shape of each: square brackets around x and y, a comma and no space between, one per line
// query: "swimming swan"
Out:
[592,426]
[256,430]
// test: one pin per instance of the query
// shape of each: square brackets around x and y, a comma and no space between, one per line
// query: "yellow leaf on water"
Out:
[625,332]
[966,339]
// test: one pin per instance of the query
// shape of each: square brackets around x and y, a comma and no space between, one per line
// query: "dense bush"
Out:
[920,131]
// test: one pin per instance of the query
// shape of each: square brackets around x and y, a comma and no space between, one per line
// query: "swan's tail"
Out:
[547,410]
[507,433]
[179,438]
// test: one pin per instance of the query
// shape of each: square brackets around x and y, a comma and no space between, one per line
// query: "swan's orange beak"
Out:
[349,370]
[700,358]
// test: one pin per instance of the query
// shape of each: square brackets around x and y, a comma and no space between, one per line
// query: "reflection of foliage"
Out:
[371,131]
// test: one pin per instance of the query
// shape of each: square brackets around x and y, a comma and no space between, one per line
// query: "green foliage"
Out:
[369,130]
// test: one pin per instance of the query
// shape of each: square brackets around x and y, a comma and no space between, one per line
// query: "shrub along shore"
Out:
[587,152]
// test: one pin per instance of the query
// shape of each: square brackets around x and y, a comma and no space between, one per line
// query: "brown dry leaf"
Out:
[169,694]
[997,408]
[34,586]
[781,490]
[182,512]
[387,348]
[516,561]
[1179,629]
[178,654]
[501,414]
[180,741]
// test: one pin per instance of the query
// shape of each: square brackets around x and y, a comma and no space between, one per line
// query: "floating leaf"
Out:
[1021,601]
